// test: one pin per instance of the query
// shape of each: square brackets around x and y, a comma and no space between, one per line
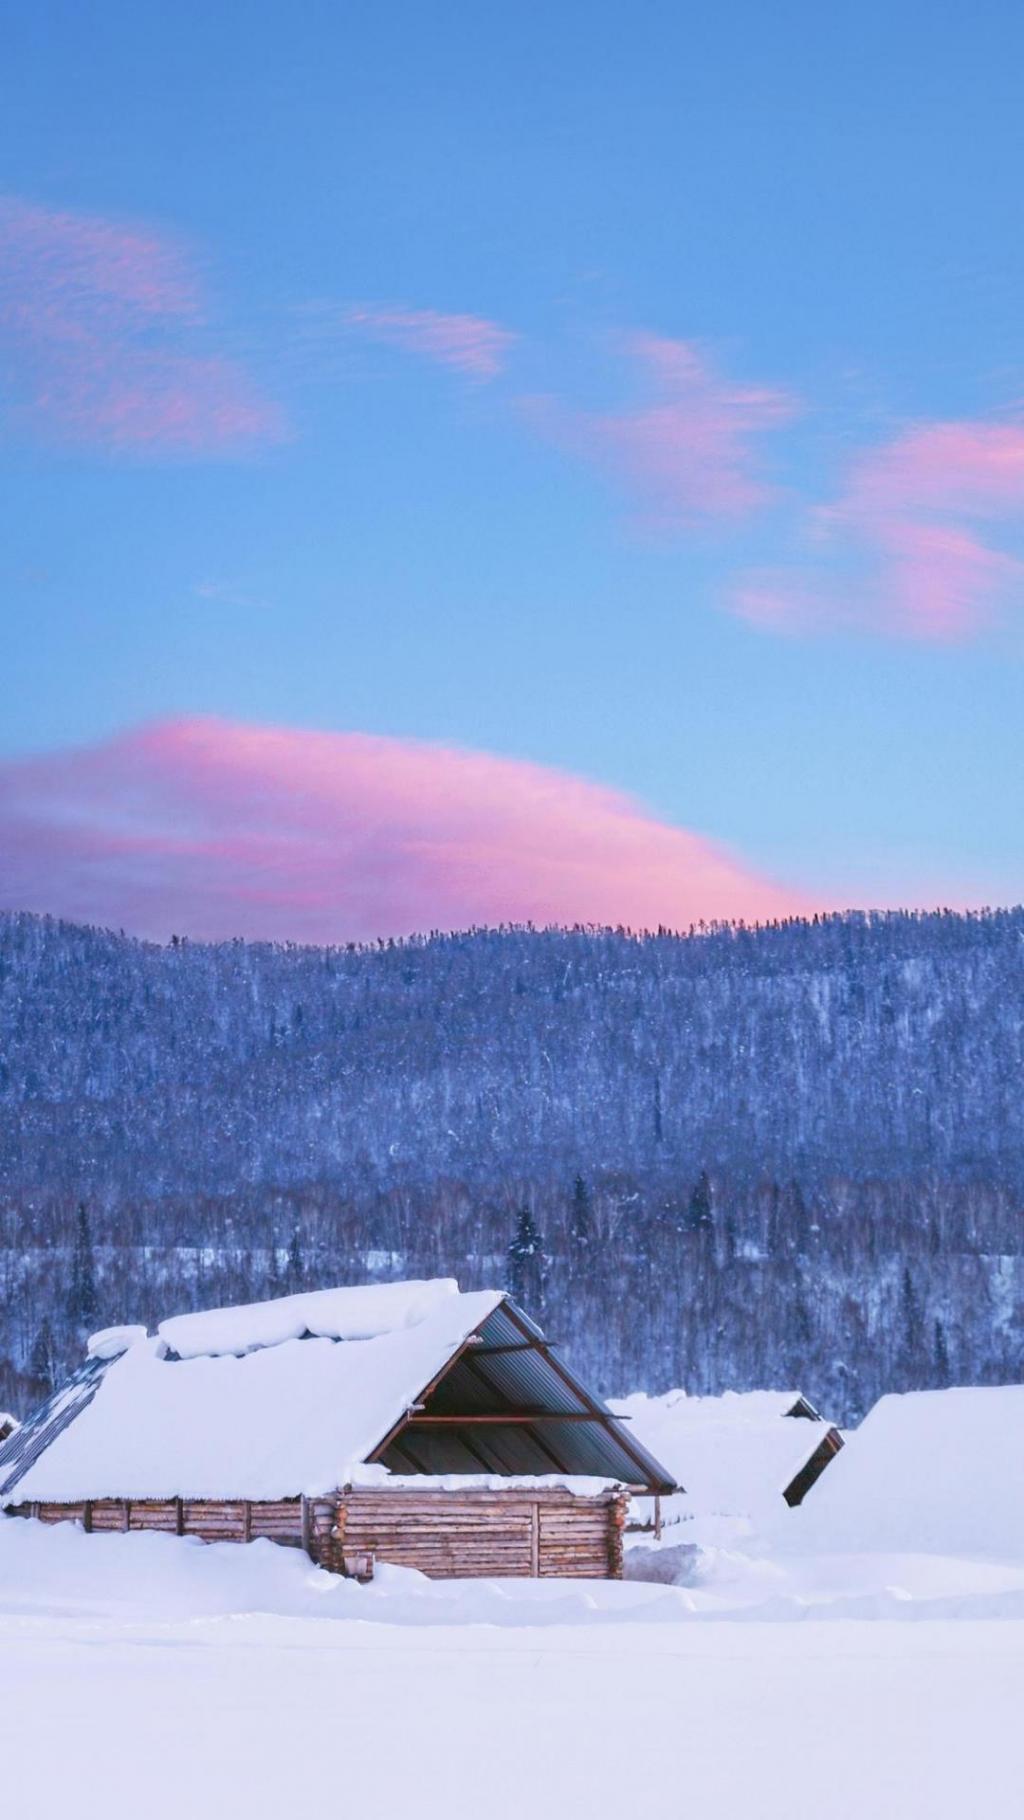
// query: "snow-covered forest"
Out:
[789,1155]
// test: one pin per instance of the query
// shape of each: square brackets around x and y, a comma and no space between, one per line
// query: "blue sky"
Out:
[820,208]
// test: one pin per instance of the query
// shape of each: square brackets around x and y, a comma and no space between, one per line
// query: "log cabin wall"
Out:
[472,1534]
[212,1520]
[520,1533]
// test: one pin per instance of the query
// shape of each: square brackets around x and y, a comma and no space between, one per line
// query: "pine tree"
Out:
[700,1215]
[941,1373]
[82,1300]
[580,1223]
[910,1337]
[42,1364]
[295,1269]
[525,1259]
[659,1128]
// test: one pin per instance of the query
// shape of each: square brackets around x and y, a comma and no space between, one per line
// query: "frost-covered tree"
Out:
[82,1300]
[526,1259]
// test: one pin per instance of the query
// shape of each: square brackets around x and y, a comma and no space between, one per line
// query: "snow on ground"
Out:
[145,1674]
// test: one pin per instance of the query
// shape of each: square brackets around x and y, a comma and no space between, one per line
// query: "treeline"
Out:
[790,1155]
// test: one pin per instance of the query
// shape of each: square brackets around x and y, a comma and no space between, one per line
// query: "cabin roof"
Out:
[289,1397]
[928,1472]
[737,1453]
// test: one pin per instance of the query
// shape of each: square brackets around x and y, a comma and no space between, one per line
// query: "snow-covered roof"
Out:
[367,1311]
[736,1454]
[929,1472]
[242,1406]
[286,1397]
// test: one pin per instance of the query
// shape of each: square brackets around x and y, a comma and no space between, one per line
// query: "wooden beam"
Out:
[502,1419]
[473,1364]
[449,1365]
[518,1346]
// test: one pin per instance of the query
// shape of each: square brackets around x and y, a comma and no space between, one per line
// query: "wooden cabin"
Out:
[8,1424]
[403,1422]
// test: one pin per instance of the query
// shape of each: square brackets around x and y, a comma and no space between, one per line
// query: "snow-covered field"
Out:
[806,1667]
[146,1674]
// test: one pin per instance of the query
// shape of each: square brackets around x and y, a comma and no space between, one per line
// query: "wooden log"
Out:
[507,1418]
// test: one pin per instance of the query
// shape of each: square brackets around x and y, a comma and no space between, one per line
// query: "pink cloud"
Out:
[214,829]
[102,340]
[470,344]
[922,581]
[688,451]
[943,467]
[898,552]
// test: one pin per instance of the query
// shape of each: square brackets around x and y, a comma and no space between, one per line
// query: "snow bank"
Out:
[294,1416]
[364,1312]
[49,1571]
[936,1472]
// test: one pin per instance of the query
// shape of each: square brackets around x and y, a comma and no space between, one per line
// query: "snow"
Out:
[292,1416]
[734,1454]
[182,1679]
[362,1312]
[110,1342]
[861,1655]
[370,1478]
[933,1471]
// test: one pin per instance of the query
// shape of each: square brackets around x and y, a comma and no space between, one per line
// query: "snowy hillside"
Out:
[785,1155]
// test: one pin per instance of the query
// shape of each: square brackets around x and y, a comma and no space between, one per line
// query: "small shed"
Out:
[8,1424]
[403,1422]
[746,1453]
[936,1472]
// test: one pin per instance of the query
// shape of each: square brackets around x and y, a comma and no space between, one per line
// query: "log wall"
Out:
[472,1534]
[549,1533]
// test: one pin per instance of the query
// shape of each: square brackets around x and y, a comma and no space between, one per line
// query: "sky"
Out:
[468,464]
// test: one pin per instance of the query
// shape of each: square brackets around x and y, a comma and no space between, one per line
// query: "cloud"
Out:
[900,551]
[103,341]
[470,344]
[213,829]
[687,452]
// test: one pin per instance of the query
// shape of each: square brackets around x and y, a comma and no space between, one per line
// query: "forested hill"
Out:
[794,1153]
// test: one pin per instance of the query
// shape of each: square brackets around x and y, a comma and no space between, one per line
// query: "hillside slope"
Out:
[787,1154]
